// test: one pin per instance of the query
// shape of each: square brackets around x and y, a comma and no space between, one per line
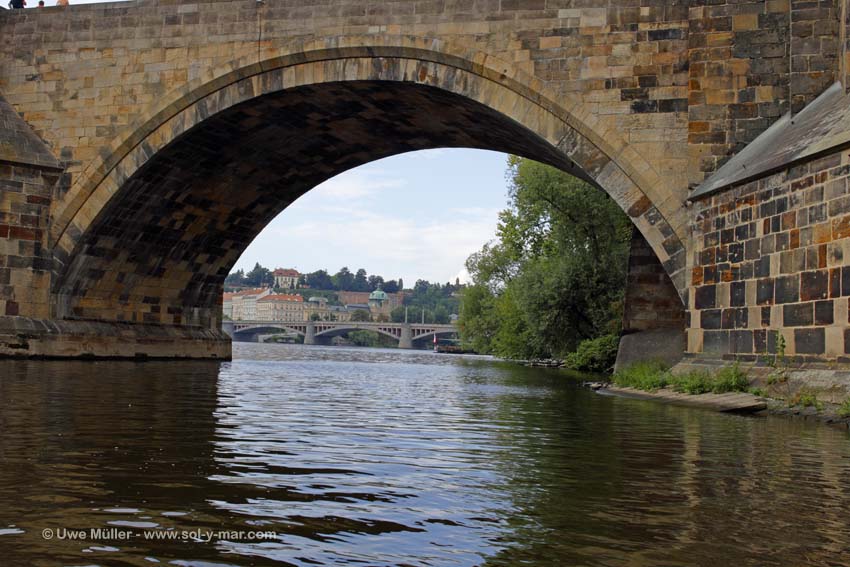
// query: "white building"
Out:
[227,305]
[280,307]
[244,303]
[286,278]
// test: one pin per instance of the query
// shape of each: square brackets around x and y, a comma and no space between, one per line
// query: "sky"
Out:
[416,216]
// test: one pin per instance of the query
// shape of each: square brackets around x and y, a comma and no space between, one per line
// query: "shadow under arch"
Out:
[149,235]
[255,329]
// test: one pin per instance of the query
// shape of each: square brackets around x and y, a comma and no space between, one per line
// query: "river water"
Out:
[293,455]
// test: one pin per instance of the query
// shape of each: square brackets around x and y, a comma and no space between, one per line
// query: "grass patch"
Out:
[696,382]
[844,408]
[652,376]
[649,376]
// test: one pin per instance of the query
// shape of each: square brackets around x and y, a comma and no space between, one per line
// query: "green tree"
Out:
[477,322]
[361,315]
[555,274]
[320,279]
[235,279]
[259,277]
[441,315]
[343,280]
[375,282]
[361,282]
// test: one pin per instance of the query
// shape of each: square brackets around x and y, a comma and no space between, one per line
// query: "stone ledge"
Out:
[24,337]
[731,402]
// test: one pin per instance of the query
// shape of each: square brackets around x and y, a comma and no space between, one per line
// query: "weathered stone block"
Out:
[810,341]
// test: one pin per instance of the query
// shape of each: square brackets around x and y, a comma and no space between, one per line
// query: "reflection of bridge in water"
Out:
[314,331]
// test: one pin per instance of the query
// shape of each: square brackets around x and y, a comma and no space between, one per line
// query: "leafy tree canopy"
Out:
[555,274]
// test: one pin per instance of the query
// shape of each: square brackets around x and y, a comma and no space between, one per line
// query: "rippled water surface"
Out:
[382,457]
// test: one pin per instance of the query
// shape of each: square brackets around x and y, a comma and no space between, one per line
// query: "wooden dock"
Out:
[732,402]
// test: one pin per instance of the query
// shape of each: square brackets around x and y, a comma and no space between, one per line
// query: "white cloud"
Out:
[464,276]
[358,184]
[391,246]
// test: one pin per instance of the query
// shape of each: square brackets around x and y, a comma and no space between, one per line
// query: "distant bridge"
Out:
[314,331]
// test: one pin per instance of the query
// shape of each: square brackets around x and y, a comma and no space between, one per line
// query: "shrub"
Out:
[651,375]
[594,355]
[844,408]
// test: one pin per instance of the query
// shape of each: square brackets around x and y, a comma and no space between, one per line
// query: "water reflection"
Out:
[381,457]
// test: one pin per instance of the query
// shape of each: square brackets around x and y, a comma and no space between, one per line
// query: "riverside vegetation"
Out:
[651,376]
[551,285]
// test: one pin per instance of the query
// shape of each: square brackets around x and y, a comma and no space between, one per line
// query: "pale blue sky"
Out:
[416,216]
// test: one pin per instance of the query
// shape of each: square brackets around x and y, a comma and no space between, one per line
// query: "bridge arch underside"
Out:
[428,337]
[343,331]
[154,240]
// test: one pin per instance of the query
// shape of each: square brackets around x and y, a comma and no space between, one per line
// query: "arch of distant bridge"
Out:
[326,329]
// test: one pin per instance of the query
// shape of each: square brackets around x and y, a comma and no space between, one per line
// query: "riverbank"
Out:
[814,394]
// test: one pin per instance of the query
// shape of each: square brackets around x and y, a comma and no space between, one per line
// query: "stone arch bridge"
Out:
[314,331]
[145,144]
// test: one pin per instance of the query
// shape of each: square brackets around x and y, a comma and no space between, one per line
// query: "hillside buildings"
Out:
[265,305]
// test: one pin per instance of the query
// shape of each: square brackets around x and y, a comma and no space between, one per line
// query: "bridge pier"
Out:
[228,327]
[654,317]
[310,335]
[406,338]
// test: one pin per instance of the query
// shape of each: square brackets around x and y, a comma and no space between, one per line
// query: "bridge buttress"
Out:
[406,338]
[653,314]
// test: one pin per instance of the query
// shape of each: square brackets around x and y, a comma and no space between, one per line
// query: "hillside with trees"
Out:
[433,302]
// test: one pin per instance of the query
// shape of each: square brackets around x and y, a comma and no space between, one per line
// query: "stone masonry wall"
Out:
[29,175]
[770,259]
[25,263]
[751,62]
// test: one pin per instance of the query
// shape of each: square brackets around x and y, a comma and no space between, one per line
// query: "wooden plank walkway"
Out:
[732,402]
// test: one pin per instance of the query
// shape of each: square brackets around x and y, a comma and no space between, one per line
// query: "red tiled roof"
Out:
[286,272]
[254,291]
